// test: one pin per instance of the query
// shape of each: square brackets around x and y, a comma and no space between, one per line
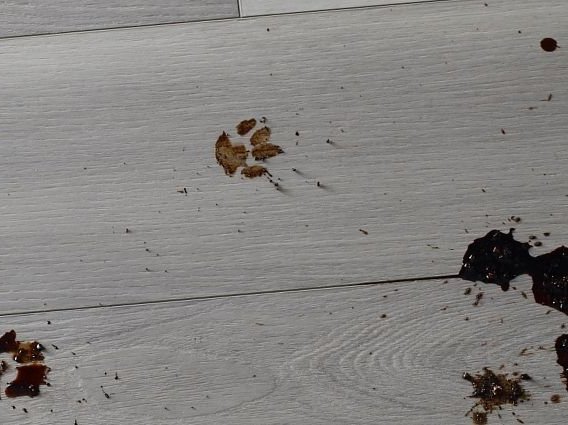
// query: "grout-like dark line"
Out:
[231,18]
[221,296]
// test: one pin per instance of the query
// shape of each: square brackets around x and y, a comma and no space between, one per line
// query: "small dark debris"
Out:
[555,398]
[503,131]
[467,291]
[524,294]
[364,231]
[538,243]
[546,234]
[478,298]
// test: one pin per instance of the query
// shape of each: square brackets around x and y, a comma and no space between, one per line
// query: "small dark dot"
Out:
[548,44]
[546,233]
[49,322]
[297,133]
[268,29]
[538,243]
[383,316]
[503,131]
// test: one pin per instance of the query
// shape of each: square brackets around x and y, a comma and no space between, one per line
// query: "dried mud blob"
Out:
[479,418]
[561,347]
[265,151]
[493,390]
[230,156]
[245,126]
[548,44]
[28,380]
[550,279]
[496,258]
[254,171]
[262,135]
[23,351]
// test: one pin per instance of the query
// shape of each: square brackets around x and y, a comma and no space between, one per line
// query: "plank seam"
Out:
[232,18]
[235,295]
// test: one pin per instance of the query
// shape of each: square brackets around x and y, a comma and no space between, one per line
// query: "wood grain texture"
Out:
[268,7]
[18,18]
[317,357]
[99,130]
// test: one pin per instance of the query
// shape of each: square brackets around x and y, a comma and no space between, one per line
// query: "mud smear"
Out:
[260,136]
[253,171]
[265,151]
[245,126]
[23,351]
[28,380]
[550,279]
[561,347]
[230,156]
[493,391]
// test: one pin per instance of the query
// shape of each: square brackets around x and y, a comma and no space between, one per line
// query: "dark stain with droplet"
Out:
[28,380]
[548,44]
[550,279]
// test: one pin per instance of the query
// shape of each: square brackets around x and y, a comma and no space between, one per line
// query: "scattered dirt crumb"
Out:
[364,231]
[229,156]
[467,291]
[245,126]
[479,418]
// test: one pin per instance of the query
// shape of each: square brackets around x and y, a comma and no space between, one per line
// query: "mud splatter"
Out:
[550,279]
[230,156]
[245,126]
[492,391]
[561,347]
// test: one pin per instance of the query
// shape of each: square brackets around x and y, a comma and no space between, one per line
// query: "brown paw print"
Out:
[233,156]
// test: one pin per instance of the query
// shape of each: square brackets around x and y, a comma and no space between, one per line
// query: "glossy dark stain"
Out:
[28,380]
[496,258]
[550,279]
[561,347]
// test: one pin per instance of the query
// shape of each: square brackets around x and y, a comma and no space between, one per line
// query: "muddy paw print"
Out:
[234,156]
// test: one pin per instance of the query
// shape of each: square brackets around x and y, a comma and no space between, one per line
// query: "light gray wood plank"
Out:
[19,17]
[99,129]
[268,7]
[318,357]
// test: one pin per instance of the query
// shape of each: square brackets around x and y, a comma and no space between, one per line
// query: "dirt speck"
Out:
[555,398]
[364,231]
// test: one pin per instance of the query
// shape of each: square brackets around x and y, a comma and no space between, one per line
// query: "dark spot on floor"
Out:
[548,44]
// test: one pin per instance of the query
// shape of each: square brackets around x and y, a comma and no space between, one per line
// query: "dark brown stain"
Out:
[265,151]
[230,156]
[561,347]
[23,351]
[555,398]
[245,126]
[550,279]
[28,380]
[494,390]
[548,44]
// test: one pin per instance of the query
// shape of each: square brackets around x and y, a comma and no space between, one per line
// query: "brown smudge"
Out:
[260,136]
[254,171]
[229,156]
[266,150]
[555,398]
[479,418]
[23,351]
[28,380]
[548,44]
[245,126]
